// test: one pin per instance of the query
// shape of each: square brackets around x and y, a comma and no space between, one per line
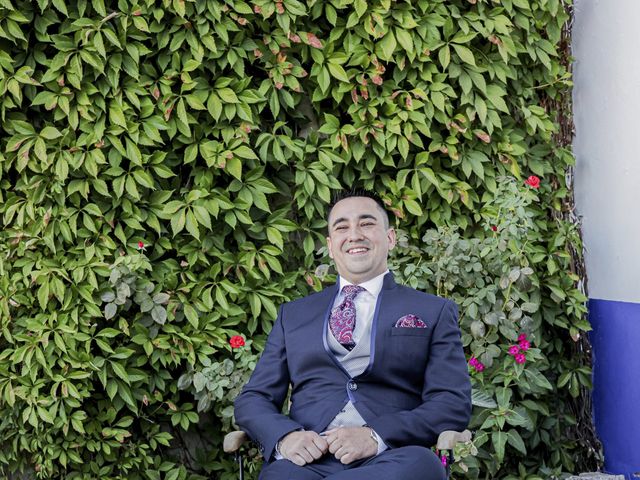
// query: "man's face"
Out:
[359,239]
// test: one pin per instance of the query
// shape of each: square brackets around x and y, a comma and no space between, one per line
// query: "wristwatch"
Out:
[373,434]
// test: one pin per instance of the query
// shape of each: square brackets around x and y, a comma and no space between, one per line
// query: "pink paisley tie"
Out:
[343,317]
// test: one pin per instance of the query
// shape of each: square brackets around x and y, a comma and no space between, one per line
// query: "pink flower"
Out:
[236,341]
[533,181]
[476,364]
[514,350]
[524,345]
[140,245]
[522,336]
[520,358]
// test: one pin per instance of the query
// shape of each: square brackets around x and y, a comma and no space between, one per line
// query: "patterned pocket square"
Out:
[410,321]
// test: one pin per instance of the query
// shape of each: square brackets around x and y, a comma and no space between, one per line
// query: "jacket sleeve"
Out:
[446,394]
[258,408]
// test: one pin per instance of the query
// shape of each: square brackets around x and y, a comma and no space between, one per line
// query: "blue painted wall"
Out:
[616,374]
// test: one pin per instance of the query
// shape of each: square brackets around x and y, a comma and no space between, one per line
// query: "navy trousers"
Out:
[405,463]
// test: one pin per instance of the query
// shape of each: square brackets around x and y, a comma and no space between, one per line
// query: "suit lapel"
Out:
[388,285]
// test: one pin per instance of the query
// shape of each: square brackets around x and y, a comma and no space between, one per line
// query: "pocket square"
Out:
[410,321]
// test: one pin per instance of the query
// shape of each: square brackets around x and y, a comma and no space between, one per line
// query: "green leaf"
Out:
[192,315]
[50,133]
[499,440]
[404,39]
[177,221]
[234,167]
[464,53]
[43,295]
[515,440]
[120,371]
[386,46]
[338,72]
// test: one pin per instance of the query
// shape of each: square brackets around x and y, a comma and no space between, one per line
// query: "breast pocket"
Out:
[408,351]
[409,331]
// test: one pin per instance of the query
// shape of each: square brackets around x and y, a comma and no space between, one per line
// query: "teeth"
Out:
[357,250]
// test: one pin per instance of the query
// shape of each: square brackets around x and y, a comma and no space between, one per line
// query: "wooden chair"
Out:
[444,447]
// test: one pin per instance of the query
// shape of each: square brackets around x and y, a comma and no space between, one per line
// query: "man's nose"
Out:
[355,233]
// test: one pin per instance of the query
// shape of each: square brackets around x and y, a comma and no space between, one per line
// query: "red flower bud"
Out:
[236,341]
[533,181]
[140,245]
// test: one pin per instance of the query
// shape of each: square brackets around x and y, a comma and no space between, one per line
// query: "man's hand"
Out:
[349,444]
[303,447]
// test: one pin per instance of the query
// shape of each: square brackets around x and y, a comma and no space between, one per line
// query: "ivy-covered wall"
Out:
[164,172]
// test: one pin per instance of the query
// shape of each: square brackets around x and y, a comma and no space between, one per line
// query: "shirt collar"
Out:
[372,286]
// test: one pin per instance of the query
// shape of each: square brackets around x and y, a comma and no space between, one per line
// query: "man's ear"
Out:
[329,247]
[391,237]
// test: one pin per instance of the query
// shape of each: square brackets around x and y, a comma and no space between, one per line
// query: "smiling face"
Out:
[359,239]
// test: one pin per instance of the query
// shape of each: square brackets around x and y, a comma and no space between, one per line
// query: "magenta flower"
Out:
[524,345]
[520,358]
[476,364]
[522,336]
[514,350]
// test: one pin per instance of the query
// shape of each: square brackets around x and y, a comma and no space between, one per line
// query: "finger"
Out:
[304,453]
[347,458]
[298,460]
[341,452]
[313,451]
[321,444]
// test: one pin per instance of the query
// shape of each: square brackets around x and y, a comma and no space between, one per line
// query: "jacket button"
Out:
[353,386]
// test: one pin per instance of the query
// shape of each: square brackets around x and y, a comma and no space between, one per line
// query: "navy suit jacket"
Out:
[415,386]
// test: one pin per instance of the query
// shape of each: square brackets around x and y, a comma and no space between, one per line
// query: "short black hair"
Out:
[358,192]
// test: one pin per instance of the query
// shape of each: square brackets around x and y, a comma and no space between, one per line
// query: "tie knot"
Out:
[352,291]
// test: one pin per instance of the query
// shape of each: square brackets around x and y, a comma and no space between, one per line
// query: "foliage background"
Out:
[213,132]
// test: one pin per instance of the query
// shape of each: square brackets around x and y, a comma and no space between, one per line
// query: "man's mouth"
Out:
[357,250]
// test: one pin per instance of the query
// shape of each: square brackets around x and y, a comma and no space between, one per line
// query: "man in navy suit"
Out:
[376,369]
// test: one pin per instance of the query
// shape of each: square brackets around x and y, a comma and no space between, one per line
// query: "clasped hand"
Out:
[347,444]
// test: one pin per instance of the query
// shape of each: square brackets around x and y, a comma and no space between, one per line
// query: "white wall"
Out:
[606,98]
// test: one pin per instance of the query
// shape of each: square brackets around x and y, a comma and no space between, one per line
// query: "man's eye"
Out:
[367,224]
[341,227]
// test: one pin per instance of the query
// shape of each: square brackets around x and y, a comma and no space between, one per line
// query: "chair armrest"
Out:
[448,439]
[234,440]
